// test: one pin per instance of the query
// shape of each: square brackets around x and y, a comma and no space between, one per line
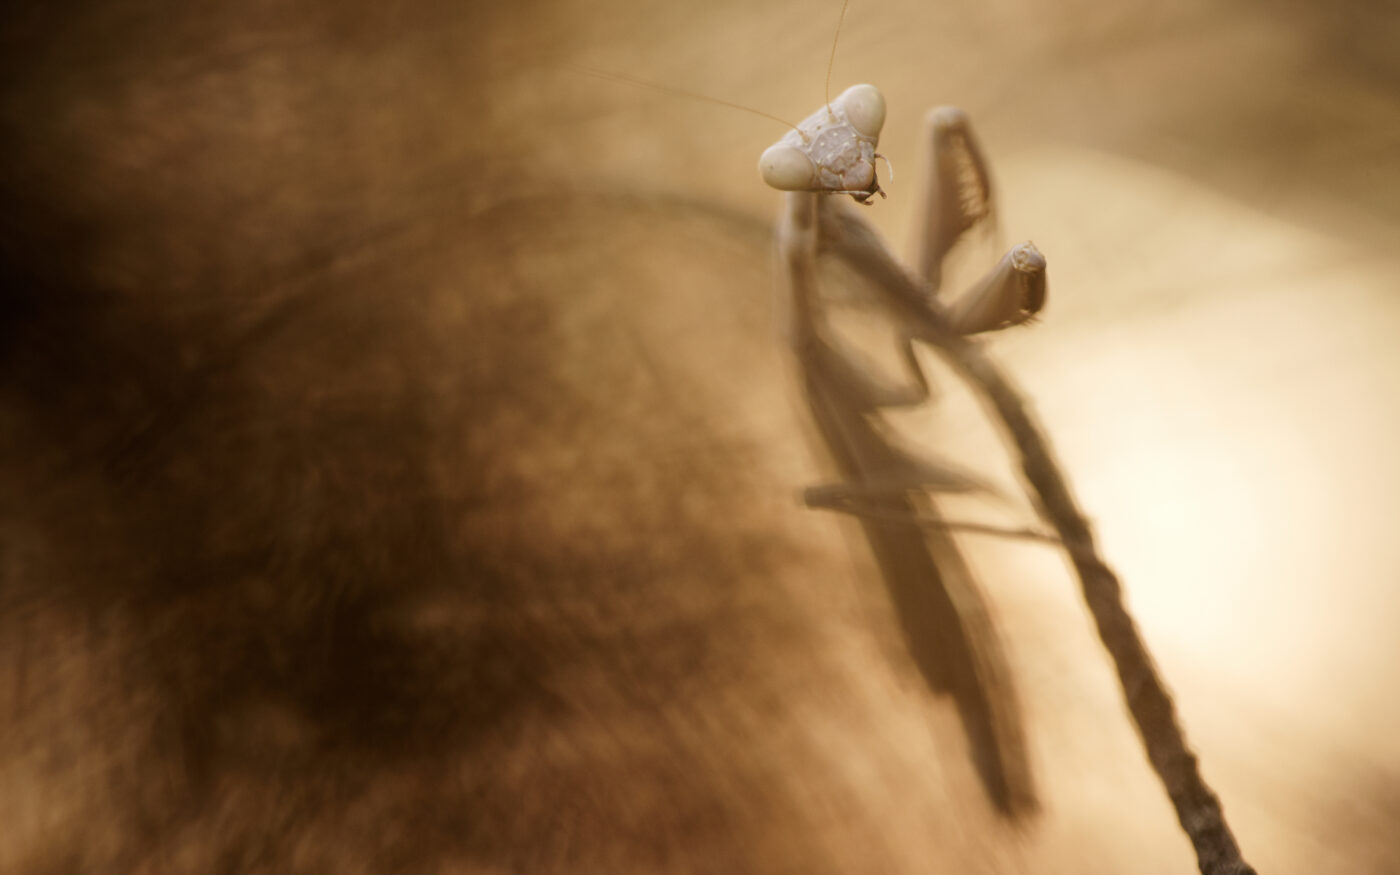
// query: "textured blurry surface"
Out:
[399,457]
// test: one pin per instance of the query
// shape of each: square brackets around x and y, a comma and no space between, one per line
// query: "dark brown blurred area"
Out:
[400,456]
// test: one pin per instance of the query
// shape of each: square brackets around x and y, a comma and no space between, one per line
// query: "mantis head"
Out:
[832,150]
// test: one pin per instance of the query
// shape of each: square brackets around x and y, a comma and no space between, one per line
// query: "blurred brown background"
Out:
[400,455]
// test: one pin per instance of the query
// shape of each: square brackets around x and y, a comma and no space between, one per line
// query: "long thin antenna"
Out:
[832,60]
[675,92]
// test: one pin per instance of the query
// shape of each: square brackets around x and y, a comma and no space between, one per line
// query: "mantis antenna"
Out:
[831,62]
[681,92]
[831,152]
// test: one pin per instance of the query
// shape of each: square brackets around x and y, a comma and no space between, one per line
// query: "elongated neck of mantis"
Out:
[797,252]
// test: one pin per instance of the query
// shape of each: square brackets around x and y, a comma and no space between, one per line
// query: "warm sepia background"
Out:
[399,455]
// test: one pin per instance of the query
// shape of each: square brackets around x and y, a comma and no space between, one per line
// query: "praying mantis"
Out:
[939,604]
[889,489]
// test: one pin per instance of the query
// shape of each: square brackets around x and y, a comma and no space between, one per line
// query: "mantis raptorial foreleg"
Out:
[957,194]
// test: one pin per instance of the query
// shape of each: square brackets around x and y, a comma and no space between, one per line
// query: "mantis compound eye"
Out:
[787,168]
[864,106]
